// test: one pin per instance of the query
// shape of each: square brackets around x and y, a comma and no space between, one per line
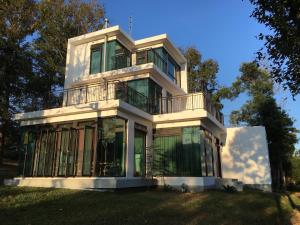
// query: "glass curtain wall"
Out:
[162,59]
[139,152]
[111,153]
[64,150]
[183,152]
[96,59]
[144,94]
[117,57]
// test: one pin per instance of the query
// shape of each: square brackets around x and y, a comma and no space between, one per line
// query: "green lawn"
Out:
[59,206]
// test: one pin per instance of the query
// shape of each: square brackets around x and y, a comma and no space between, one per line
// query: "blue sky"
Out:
[221,30]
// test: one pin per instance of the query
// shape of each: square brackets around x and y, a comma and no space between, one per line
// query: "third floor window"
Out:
[117,57]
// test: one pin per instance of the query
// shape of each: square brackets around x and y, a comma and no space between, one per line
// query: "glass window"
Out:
[144,94]
[27,151]
[169,103]
[183,152]
[117,56]
[141,57]
[112,147]
[139,152]
[87,151]
[64,141]
[161,58]
[96,59]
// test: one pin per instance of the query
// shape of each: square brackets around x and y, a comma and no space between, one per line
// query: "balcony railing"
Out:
[120,90]
[190,102]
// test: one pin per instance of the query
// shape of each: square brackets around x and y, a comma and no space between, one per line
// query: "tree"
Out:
[283,45]
[262,109]
[200,72]
[17,21]
[58,21]
[33,45]
[296,169]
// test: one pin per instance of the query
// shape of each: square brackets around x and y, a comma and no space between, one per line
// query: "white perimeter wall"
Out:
[245,155]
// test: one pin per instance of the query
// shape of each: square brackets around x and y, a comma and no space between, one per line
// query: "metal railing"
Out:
[190,102]
[151,56]
[121,90]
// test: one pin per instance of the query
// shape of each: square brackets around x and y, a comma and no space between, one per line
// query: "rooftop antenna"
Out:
[106,23]
[130,26]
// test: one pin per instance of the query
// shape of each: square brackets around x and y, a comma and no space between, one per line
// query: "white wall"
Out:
[245,155]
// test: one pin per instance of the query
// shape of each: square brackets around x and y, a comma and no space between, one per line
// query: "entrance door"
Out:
[139,152]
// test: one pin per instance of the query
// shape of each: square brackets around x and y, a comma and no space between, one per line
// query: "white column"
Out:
[133,58]
[130,149]
[183,74]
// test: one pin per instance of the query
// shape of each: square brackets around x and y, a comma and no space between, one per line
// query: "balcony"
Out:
[154,106]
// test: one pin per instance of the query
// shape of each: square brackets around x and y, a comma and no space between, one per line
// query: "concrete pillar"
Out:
[130,149]
[133,58]
[183,74]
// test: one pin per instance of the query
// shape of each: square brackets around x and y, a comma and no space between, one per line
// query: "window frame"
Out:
[92,49]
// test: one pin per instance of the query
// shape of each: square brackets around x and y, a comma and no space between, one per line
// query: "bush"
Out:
[229,189]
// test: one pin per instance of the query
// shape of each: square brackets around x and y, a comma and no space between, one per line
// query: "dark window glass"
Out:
[161,58]
[139,152]
[87,151]
[144,94]
[141,57]
[183,152]
[96,60]
[112,148]
[117,56]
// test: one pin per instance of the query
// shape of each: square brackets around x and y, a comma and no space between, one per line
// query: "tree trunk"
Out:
[4,126]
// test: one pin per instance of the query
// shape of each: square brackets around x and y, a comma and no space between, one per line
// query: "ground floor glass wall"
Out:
[70,149]
[187,151]
[111,150]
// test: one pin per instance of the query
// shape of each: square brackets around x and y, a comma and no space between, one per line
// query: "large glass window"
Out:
[63,150]
[96,59]
[87,151]
[27,151]
[182,152]
[117,56]
[112,147]
[144,94]
[162,59]
[139,152]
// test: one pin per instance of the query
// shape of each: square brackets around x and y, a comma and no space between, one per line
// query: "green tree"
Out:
[262,109]
[296,169]
[33,47]
[200,72]
[282,17]
[57,21]
[17,22]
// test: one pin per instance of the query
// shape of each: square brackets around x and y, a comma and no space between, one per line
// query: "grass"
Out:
[20,205]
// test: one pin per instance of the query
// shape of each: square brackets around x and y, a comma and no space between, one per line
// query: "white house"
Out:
[127,120]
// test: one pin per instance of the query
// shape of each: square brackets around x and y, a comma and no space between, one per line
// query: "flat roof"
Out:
[116,30]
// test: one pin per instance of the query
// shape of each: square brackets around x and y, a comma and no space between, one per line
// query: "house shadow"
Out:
[60,206]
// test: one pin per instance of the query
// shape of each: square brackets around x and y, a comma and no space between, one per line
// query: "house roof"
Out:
[133,44]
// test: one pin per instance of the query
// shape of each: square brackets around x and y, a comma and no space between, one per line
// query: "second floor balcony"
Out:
[154,105]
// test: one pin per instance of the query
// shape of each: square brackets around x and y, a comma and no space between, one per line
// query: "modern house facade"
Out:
[126,120]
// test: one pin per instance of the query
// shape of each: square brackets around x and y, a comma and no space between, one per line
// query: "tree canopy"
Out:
[33,45]
[261,109]
[199,71]
[282,17]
